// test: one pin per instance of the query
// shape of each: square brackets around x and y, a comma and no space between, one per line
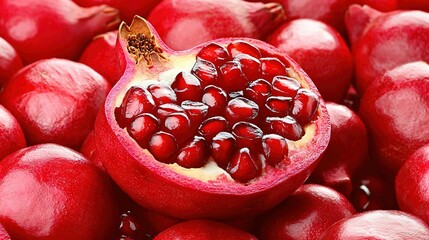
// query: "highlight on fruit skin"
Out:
[268,105]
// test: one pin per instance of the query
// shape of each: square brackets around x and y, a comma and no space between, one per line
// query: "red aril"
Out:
[100,55]
[225,186]
[377,45]
[378,225]
[11,137]
[51,192]
[346,152]
[55,101]
[127,8]
[52,28]
[3,234]
[395,109]
[411,187]
[320,51]
[306,214]
[183,24]
[203,229]
[10,62]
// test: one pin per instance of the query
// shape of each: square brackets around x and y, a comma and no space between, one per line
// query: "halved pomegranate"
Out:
[190,134]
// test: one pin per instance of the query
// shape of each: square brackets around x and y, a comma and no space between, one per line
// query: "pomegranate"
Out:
[411,184]
[89,150]
[183,24]
[11,135]
[3,234]
[229,153]
[203,229]
[55,100]
[306,214]
[100,55]
[320,51]
[395,109]
[51,192]
[380,5]
[346,152]
[383,41]
[127,9]
[10,61]
[52,28]
[414,4]
[378,225]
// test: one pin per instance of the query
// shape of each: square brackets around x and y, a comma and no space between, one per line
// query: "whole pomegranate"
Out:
[395,108]
[10,61]
[51,192]
[224,130]
[52,28]
[306,214]
[55,101]
[183,24]
[320,51]
[346,152]
[411,186]
[11,135]
[378,225]
[204,230]
[383,41]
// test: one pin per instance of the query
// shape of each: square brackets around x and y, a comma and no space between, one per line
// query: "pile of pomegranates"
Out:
[235,119]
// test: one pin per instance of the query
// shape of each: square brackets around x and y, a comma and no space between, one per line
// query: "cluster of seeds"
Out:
[234,105]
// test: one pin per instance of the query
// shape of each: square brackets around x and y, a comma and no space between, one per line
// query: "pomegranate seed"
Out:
[286,127]
[187,87]
[241,109]
[239,46]
[163,146]
[136,101]
[212,126]
[162,93]
[285,86]
[214,53]
[129,226]
[258,91]
[215,98]
[248,135]
[143,127]
[275,149]
[271,67]
[243,166]
[194,154]
[231,77]
[305,105]
[250,66]
[166,109]
[196,111]
[206,72]
[278,106]
[178,125]
[222,148]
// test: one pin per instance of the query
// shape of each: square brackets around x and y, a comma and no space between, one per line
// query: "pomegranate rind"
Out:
[159,187]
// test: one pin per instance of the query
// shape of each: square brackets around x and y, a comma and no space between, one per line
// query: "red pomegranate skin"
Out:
[89,150]
[3,234]
[100,55]
[127,8]
[183,24]
[395,109]
[378,225]
[55,101]
[306,214]
[414,4]
[346,152]
[383,41]
[203,230]
[10,61]
[380,5]
[411,184]
[52,28]
[320,51]
[11,135]
[51,192]
[182,196]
